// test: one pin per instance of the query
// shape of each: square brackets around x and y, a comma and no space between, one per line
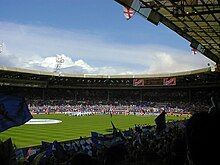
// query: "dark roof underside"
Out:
[198,21]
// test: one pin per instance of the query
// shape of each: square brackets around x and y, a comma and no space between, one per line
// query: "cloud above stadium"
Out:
[36,47]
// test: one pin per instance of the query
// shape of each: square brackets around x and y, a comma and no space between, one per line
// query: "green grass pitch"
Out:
[72,127]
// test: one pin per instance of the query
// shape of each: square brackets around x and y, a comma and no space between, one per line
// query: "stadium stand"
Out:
[188,142]
[189,92]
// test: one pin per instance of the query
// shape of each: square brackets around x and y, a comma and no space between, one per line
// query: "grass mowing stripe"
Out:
[72,127]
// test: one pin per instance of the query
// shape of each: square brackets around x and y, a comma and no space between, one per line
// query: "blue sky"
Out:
[92,37]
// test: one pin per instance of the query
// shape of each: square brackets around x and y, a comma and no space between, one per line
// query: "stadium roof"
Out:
[29,72]
[15,77]
[198,21]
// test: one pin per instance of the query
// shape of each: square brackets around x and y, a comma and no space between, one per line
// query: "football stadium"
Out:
[159,119]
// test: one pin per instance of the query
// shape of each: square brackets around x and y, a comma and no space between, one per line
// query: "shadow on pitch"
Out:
[111,130]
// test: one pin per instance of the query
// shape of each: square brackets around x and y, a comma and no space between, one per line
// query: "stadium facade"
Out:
[184,86]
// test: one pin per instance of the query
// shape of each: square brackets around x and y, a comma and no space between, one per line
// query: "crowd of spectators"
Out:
[65,106]
[134,108]
[188,142]
[118,101]
[138,145]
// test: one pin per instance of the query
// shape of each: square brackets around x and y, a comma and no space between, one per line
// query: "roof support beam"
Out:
[178,30]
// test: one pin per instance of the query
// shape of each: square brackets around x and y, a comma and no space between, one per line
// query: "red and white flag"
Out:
[194,51]
[138,82]
[128,12]
[169,81]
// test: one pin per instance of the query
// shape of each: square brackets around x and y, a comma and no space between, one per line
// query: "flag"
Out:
[160,122]
[13,111]
[59,153]
[138,82]
[194,51]
[53,149]
[7,152]
[98,139]
[114,129]
[169,81]
[117,133]
[128,12]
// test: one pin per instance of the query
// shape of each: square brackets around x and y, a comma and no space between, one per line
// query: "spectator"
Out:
[203,138]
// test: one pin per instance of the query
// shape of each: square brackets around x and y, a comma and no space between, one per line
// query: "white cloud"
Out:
[65,62]
[68,65]
[36,47]
[84,65]
[51,62]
